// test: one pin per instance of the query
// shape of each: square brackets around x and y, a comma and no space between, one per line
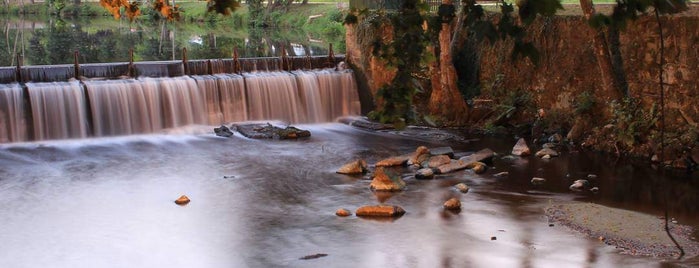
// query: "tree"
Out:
[132,9]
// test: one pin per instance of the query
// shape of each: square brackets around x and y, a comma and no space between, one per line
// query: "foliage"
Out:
[132,9]
[626,10]
[585,103]
[406,52]
[58,5]
[632,121]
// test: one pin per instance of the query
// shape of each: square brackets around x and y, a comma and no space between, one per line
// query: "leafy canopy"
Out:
[132,8]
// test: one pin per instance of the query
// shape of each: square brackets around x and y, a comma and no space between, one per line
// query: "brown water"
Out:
[109,203]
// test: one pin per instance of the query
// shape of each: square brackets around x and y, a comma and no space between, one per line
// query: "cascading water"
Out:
[77,109]
[119,107]
[58,110]
[13,125]
[225,97]
[273,95]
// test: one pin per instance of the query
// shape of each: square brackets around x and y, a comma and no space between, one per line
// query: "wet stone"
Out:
[452,204]
[380,211]
[223,131]
[521,148]
[484,155]
[579,185]
[424,174]
[183,200]
[386,182]
[546,151]
[358,166]
[462,187]
[343,212]
[394,161]
[436,161]
[538,181]
[269,131]
[448,151]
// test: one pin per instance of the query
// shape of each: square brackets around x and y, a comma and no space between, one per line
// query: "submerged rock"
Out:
[343,212]
[502,174]
[358,166]
[223,131]
[545,152]
[484,155]
[385,182]
[477,167]
[579,185]
[380,211]
[183,200]
[521,148]
[538,181]
[462,187]
[452,204]
[424,174]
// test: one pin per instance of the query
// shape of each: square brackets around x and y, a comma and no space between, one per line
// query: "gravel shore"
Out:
[632,232]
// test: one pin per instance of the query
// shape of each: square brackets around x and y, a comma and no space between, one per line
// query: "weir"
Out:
[105,101]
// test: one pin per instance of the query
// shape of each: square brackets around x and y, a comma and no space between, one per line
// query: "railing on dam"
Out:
[394,5]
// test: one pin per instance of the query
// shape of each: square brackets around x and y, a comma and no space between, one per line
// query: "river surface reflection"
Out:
[109,203]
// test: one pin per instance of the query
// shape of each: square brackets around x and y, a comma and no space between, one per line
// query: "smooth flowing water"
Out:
[108,202]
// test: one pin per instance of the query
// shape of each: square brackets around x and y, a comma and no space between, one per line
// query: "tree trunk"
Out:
[610,90]
[445,100]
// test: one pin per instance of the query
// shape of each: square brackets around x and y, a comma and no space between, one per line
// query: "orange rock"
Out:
[355,167]
[384,182]
[394,161]
[477,167]
[421,154]
[380,211]
[343,212]
[183,200]
[452,204]
[521,148]
[438,160]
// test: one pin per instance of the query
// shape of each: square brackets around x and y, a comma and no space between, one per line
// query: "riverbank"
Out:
[631,232]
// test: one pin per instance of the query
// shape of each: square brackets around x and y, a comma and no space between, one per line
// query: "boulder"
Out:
[269,131]
[394,161]
[452,204]
[454,165]
[521,148]
[462,187]
[223,131]
[478,167]
[436,161]
[546,151]
[549,145]
[384,182]
[420,155]
[424,174]
[579,185]
[380,211]
[538,181]
[183,200]
[343,212]
[358,166]
[448,151]
[555,138]
[484,155]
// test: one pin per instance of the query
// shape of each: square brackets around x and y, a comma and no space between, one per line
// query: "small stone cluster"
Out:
[425,163]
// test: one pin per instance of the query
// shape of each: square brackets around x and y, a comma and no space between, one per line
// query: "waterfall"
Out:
[58,110]
[273,95]
[225,97]
[92,107]
[119,107]
[13,125]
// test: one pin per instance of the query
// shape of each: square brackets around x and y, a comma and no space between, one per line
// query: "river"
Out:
[108,202]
